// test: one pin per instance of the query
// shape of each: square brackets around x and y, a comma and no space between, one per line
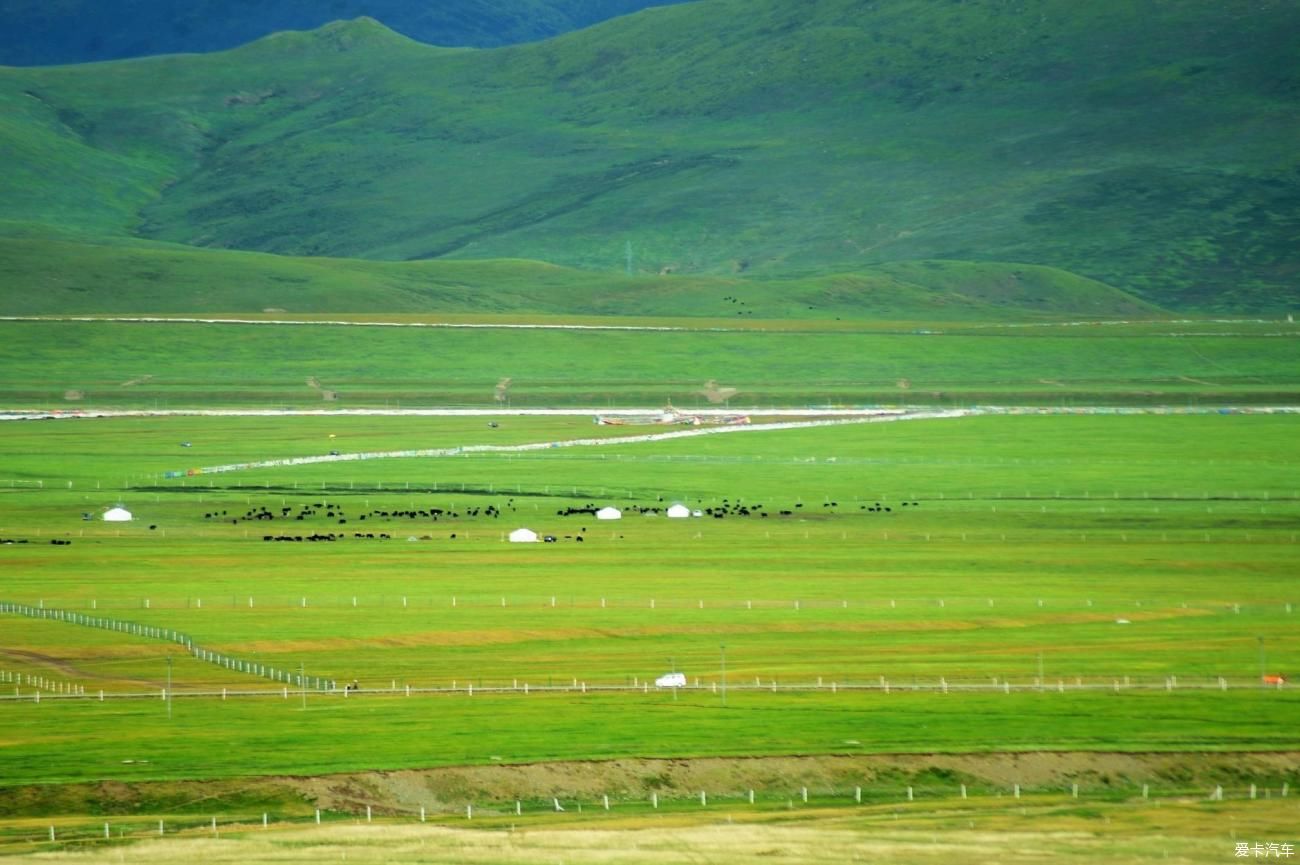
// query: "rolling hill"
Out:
[44,32]
[77,277]
[1149,149]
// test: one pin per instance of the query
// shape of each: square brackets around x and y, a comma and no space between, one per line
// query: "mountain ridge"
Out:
[57,32]
[692,139]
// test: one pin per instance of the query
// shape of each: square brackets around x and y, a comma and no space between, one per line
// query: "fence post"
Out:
[857,795]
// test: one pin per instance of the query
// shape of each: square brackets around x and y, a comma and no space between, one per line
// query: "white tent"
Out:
[523,536]
[678,511]
[118,514]
[609,514]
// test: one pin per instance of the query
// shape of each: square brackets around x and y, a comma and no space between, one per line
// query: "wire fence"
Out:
[62,610]
[48,688]
[714,686]
[220,659]
[866,794]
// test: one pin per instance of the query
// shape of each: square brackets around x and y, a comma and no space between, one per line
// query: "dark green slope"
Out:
[1152,147]
[44,32]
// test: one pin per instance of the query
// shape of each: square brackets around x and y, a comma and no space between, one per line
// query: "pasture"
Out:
[89,365]
[1110,583]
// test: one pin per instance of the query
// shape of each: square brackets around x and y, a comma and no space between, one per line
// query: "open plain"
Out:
[888,624]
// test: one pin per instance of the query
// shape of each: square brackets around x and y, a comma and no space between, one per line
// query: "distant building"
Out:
[118,514]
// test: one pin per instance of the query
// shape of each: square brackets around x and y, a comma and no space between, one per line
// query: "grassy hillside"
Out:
[42,32]
[77,277]
[1146,149]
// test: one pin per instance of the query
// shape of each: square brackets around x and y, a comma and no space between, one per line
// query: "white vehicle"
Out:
[671,680]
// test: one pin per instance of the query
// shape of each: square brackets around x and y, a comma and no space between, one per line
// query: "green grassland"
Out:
[88,365]
[1024,542]
[1148,151]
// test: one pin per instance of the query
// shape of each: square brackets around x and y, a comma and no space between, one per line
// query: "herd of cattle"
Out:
[336,512]
[731,509]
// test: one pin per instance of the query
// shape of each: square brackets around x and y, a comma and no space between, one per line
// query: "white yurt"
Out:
[678,511]
[118,514]
[523,536]
[608,513]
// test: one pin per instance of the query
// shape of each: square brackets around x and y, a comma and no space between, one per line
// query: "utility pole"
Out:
[723,647]
[169,686]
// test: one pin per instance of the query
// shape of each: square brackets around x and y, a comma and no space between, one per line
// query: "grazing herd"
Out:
[732,509]
[336,512]
[740,302]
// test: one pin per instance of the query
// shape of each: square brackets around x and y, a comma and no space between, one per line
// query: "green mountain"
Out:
[44,32]
[1148,147]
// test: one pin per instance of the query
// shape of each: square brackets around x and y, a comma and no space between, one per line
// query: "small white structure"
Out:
[118,514]
[671,680]
[523,536]
[679,511]
[609,513]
